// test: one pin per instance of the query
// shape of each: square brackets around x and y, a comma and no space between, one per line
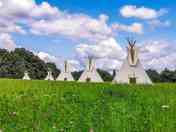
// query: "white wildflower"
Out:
[165,106]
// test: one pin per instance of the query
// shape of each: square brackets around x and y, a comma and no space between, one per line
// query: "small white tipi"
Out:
[26,76]
[49,76]
[90,74]
[132,70]
[65,74]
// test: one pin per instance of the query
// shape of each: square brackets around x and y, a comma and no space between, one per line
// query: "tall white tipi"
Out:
[49,76]
[65,74]
[26,76]
[90,74]
[131,70]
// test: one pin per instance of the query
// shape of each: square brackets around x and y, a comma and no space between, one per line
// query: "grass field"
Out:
[44,106]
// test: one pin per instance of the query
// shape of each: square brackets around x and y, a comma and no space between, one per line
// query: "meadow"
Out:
[49,106]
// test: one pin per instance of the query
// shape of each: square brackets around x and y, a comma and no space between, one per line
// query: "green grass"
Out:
[44,106]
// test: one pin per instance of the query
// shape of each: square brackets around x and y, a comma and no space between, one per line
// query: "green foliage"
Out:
[13,64]
[77,74]
[168,76]
[54,69]
[50,106]
[165,76]
[154,75]
[106,76]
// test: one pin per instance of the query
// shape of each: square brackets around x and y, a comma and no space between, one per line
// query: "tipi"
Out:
[26,76]
[90,74]
[132,70]
[49,76]
[65,74]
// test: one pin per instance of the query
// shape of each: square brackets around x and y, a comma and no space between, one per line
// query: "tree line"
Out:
[14,63]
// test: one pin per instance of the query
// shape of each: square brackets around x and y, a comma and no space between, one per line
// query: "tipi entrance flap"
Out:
[132,80]
[88,79]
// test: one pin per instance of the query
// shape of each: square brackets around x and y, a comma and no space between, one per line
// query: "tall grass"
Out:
[48,106]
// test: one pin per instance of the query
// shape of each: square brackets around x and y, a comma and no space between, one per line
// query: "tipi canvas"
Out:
[90,74]
[132,70]
[65,74]
[26,76]
[49,76]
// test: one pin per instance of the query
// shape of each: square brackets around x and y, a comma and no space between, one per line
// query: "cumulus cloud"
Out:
[0,4]
[26,9]
[46,57]
[7,42]
[134,28]
[108,53]
[9,27]
[13,9]
[44,19]
[74,65]
[158,55]
[140,12]
[157,23]
[44,10]
[109,64]
[77,26]
[15,14]
[105,48]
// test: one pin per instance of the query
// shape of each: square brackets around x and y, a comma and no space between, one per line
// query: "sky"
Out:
[56,30]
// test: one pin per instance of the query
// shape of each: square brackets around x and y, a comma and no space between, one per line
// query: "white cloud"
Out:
[108,53]
[44,10]
[44,19]
[0,4]
[9,27]
[140,12]
[16,8]
[7,42]
[157,23]
[158,55]
[26,9]
[105,48]
[15,12]
[75,26]
[46,57]
[74,65]
[134,28]
[109,64]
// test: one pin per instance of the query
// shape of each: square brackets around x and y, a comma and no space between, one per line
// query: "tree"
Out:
[76,74]
[13,64]
[154,75]
[168,76]
[106,76]
[54,69]
[36,67]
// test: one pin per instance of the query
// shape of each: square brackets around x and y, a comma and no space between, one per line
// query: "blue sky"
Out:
[152,23]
